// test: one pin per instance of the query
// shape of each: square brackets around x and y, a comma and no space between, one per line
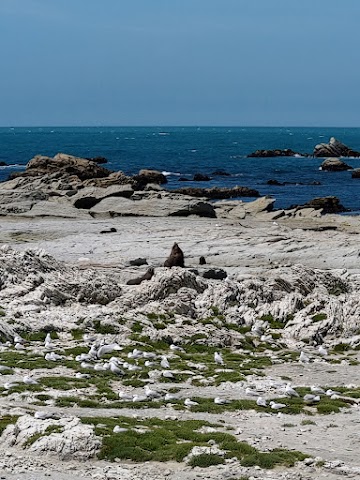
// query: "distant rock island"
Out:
[332,149]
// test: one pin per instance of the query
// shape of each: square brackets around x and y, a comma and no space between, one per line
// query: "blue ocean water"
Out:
[183,151]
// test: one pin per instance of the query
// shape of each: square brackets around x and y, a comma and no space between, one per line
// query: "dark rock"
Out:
[334,149]
[147,276]
[334,165]
[215,274]
[275,182]
[199,177]
[148,176]
[137,262]
[176,257]
[355,173]
[326,204]
[287,152]
[218,193]
[221,173]
[111,230]
[184,179]
[202,261]
[3,164]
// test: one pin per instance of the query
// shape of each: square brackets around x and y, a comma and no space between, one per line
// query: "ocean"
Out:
[183,151]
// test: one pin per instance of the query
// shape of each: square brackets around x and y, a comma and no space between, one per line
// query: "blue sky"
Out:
[179,62]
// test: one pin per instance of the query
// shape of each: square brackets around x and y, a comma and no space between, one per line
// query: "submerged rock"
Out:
[287,152]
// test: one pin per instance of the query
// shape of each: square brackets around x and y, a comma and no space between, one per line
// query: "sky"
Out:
[179,62]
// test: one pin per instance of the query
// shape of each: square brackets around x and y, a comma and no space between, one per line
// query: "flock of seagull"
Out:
[93,360]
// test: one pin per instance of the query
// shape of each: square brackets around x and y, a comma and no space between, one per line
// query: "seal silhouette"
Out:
[147,276]
[176,257]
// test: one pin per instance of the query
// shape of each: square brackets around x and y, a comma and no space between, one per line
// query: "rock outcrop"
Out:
[287,152]
[334,149]
[325,204]
[334,165]
[217,193]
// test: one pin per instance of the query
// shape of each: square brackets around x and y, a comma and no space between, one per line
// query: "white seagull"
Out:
[290,392]
[189,403]
[164,362]
[218,358]
[323,351]
[304,358]
[277,406]
[261,402]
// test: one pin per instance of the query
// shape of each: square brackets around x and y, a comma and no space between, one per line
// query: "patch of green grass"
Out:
[206,460]
[104,328]
[38,336]
[341,347]
[2,313]
[159,325]
[166,440]
[307,422]
[6,420]
[319,317]
[77,333]
[137,327]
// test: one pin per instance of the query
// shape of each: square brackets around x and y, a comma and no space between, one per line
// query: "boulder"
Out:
[263,204]
[154,204]
[334,149]
[90,196]
[148,176]
[214,273]
[114,178]
[325,204]
[199,177]
[334,165]
[64,164]
[355,173]
[218,193]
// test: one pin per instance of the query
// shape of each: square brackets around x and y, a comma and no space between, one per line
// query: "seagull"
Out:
[133,368]
[87,365]
[261,402]
[149,355]
[19,346]
[47,338]
[135,353]
[29,381]
[149,363]
[218,358]
[290,392]
[53,357]
[317,390]
[251,392]
[18,339]
[167,374]
[152,393]
[82,375]
[304,358]
[330,393]
[309,398]
[164,362]
[127,397]
[87,337]
[176,348]
[189,403]
[3,368]
[108,349]
[118,429]
[221,401]
[100,367]
[323,351]
[169,397]
[114,368]
[277,406]
[40,415]
[140,398]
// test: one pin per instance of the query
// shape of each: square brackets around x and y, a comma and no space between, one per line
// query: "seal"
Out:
[147,276]
[202,261]
[176,257]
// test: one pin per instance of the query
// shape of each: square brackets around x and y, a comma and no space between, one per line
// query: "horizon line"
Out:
[175,126]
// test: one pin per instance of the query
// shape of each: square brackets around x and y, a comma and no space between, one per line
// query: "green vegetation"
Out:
[104,328]
[165,440]
[319,317]
[7,420]
[206,460]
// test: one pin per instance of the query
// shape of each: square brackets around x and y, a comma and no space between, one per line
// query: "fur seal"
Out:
[176,257]
[111,230]
[147,276]
[202,261]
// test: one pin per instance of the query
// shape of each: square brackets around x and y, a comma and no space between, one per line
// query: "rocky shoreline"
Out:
[272,308]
